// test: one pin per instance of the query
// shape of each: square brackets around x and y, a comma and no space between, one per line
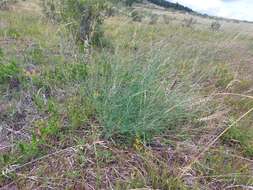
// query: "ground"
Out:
[54,137]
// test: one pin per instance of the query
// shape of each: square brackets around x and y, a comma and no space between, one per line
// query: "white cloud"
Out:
[237,9]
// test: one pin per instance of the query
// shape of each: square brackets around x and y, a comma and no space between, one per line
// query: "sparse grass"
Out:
[220,168]
[156,176]
[240,137]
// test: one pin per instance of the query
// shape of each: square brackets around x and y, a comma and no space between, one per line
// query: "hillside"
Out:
[153,98]
[167,4]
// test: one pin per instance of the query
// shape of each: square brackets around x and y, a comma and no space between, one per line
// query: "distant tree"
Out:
[131,2]
[167,4]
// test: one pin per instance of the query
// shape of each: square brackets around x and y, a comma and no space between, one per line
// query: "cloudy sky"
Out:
[237,9]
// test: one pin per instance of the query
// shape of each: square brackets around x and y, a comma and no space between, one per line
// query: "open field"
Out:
[166,103]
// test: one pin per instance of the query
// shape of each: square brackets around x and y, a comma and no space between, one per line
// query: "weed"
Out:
[224,76]
[1,54]
[35,55]
[13,33]
[241,138]
[8,71]
[79,110]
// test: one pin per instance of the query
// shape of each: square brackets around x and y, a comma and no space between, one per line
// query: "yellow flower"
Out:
[138,145]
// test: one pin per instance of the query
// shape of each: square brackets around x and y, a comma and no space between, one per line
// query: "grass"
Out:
[129,115]
[130,99]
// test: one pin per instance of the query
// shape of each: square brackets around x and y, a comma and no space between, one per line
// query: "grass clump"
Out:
[131,100]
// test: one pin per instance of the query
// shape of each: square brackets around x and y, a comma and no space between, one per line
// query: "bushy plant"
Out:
[136,16]
[153,19]
[82,17]
[166,19]
[4,3]
[215,26]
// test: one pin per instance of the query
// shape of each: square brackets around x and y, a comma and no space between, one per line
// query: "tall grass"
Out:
[131,96]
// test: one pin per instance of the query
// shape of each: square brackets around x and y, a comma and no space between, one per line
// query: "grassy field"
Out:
[167,103]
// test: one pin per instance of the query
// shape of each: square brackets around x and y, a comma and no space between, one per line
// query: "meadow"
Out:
[164,100]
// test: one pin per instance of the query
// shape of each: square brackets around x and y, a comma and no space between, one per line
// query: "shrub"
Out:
[4,3]
[82,17]
[166,19]
[136,16]
[189,22]
[215,26]
[153,19]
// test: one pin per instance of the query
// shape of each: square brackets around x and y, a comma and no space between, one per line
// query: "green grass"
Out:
[240,137]
[8,71]
[130,99]
[129,111]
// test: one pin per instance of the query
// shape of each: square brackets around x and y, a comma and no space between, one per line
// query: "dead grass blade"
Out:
[212,142]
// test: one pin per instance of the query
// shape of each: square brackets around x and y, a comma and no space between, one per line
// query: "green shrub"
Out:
[82,17]
[136,16]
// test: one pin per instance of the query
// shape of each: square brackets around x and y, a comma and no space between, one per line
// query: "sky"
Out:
[235,9]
